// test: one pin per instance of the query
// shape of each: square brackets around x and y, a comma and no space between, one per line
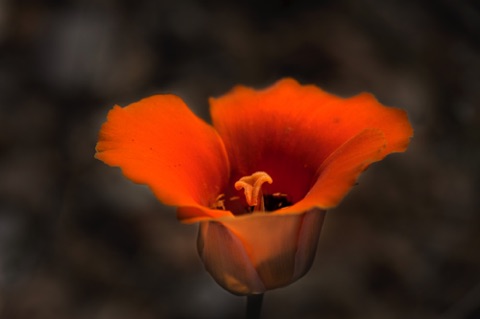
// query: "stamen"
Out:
[252,186]
[219,202]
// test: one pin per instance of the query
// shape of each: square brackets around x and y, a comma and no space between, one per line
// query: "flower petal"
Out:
[158,141]
[288,130]
[307,241]
[339,172]
[272,242]
[226,259]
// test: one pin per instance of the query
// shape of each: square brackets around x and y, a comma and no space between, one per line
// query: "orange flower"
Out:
[258,181]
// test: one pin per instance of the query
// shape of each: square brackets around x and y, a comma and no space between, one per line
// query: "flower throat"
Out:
[256,200]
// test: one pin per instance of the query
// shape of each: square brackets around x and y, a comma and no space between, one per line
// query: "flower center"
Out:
[252,187]
[255,199]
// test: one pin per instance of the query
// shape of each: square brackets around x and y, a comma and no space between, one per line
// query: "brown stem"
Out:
[254,306]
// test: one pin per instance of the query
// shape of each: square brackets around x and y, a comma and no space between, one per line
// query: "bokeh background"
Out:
[77,240]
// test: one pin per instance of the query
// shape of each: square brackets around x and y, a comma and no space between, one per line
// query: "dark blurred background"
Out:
[78,240]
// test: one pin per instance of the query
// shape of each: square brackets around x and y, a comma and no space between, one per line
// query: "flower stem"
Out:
[254,306]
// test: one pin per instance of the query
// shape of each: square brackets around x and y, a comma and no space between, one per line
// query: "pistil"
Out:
[252,186]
